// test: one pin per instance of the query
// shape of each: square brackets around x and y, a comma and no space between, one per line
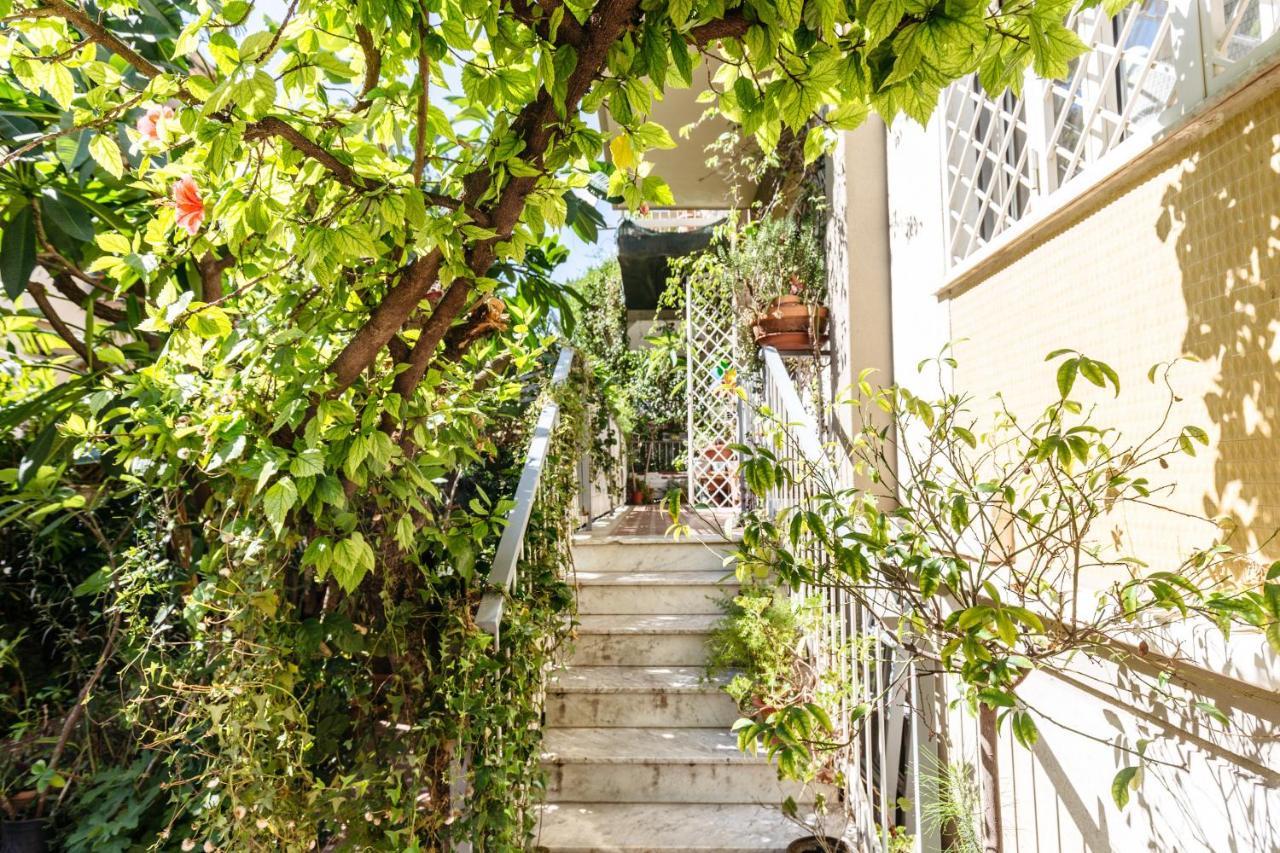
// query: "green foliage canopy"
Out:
[271,248]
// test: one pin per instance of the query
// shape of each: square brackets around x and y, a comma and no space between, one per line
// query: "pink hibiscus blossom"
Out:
[190,207]
[149,123]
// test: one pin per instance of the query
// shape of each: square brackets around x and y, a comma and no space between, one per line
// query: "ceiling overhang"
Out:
[694,184]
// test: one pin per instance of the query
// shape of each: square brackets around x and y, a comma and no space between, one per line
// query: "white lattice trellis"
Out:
[713,407]
[988,176]
[1007,157]
[1126,78]
[1238,28]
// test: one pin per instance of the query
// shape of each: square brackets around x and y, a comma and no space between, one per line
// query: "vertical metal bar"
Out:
[690,392]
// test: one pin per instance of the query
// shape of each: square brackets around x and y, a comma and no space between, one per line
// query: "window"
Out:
[988,176]
[1007,157]
[1239,28]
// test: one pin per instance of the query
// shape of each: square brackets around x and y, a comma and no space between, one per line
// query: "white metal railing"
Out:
[657,454]
[504,572]
[851,643]
[1008,157]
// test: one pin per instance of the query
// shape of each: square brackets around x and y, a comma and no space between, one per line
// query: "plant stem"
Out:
[989,780]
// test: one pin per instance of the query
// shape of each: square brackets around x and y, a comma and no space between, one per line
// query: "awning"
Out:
[643,255]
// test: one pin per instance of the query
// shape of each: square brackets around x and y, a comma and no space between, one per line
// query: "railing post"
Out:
[586,485]
[458,790]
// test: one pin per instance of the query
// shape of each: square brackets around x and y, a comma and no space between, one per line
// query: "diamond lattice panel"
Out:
[713,407]
[1127,77]
[1239,27]
[988,165]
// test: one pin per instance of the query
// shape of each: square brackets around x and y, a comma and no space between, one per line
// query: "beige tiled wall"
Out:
[1181,260]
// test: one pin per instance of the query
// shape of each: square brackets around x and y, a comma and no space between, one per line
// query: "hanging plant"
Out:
[779,272]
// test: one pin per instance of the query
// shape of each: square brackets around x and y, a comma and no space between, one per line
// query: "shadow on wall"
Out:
[1223,213]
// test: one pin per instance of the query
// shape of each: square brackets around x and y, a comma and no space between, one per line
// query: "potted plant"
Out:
[819,844]
[23,828]
[782,278]
[790,323]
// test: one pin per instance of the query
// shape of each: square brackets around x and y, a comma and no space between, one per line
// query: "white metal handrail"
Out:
[510,548]
[887,740]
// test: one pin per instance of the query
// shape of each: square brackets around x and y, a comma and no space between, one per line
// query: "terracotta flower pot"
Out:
[788,323]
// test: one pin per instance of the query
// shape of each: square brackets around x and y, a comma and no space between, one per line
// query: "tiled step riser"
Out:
[640,650]
[630,710]
[670,783]
[672,828]
[618,557]
[649,599]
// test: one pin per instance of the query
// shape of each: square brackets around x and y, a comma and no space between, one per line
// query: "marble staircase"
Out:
[637,747]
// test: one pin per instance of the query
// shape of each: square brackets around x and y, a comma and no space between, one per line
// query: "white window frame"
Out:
[1194,29]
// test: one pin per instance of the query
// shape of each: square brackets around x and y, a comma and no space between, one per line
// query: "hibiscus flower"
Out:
[149,123]
[190,207]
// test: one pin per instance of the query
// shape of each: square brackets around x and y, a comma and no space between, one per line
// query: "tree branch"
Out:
[275,39]
[273,126]
[732,25]
[63,283]
[536,124]
[401,300]
[488,316]
[372,67]
[41,297]
[102,36]
[424,106]
[211,269]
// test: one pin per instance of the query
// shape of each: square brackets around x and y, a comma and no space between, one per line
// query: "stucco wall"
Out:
[1179,257]
[1181,261]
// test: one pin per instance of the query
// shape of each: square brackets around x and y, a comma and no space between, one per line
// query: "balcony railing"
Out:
[851,645]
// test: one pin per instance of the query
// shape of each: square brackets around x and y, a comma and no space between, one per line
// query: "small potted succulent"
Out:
[782,278]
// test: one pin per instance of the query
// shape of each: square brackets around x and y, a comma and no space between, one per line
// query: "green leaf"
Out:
[70,218]
[114,244]
[789,11]
[881,18]
[1121,784]
[109,354]
[277,502]
[18,252]
[678,11]
[1053,45]
[998,698]
[210,321]
[1212,710]
[1025,730]
[308,463]
[60,84]
[352,560]
[652,135]
[1067,376]
[104,150]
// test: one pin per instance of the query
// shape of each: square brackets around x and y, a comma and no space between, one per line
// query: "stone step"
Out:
[664,828]
[661,555]
[674,592]
[629,696]
[642,640]
[659,765]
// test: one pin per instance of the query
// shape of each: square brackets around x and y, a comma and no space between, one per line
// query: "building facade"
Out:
[1131,212]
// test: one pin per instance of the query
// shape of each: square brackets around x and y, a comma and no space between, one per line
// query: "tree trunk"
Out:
[989,780]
